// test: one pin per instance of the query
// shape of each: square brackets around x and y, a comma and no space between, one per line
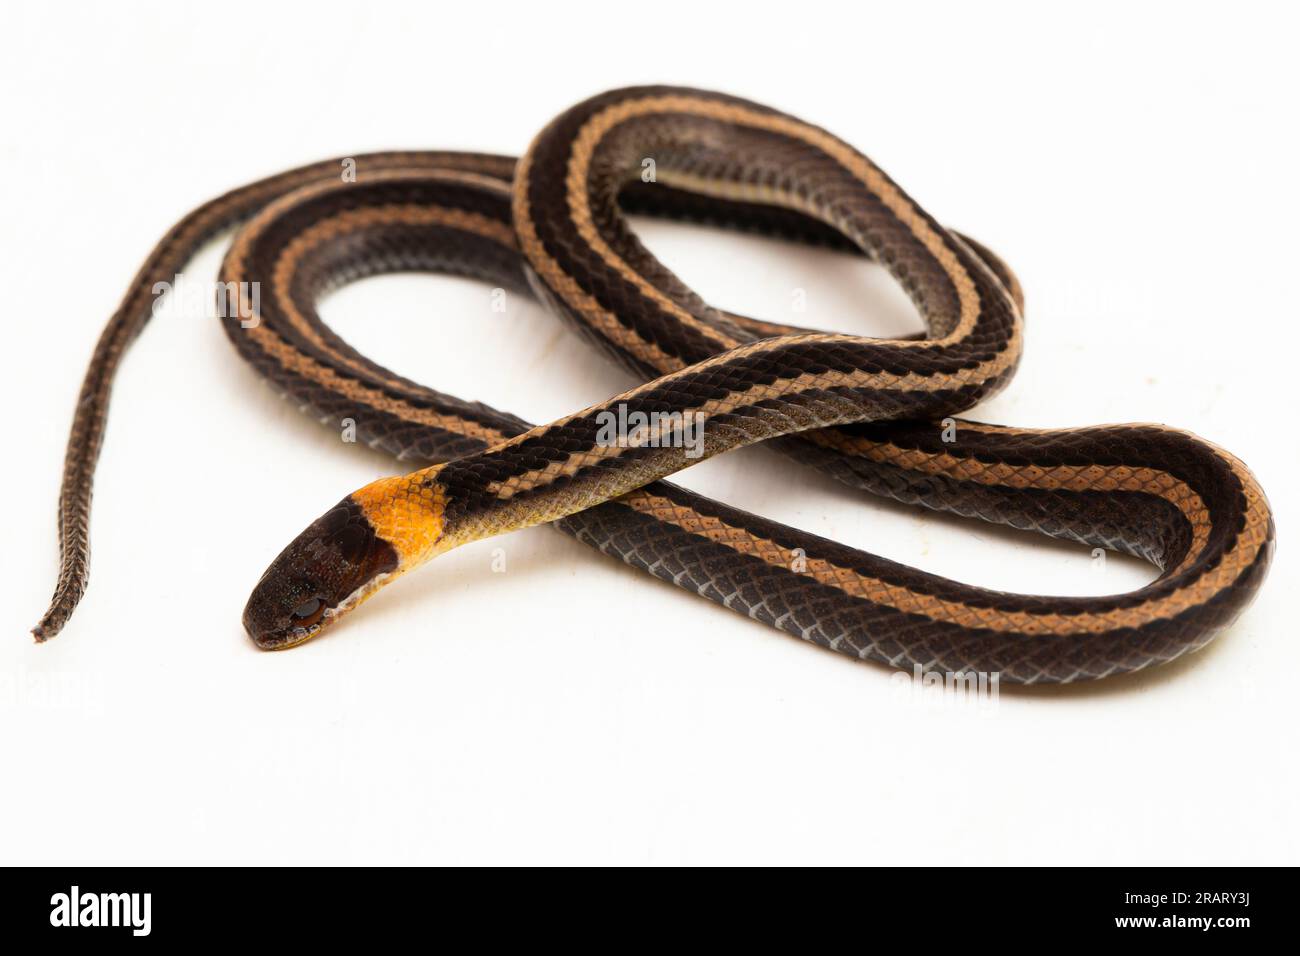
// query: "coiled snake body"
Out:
[862,410]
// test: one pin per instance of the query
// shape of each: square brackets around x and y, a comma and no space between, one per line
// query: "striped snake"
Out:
[864,411]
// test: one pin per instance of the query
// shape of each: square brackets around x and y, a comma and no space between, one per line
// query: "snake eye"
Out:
[308,612]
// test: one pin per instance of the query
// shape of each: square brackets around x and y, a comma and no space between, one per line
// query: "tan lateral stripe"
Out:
[808,382]
[955,612]
[597,126]
[286,265]
[1257,510]
[628,340]
[1126,478]
[290,259]
[580,211]
[306,367]
[599,318]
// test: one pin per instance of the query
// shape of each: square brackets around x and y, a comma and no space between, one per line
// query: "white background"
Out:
[1136,166]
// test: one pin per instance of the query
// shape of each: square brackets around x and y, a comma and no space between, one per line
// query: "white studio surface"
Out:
[1136,168]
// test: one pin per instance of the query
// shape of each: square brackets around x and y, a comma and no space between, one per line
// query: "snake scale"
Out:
[864,411]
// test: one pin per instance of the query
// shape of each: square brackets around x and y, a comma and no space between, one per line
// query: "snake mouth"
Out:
[334,565]
[318,616]
[283,640]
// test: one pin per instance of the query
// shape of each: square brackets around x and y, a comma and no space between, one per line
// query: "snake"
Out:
[878,415]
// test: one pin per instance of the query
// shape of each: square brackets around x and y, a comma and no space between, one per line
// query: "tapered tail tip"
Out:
[56,616]
[48,627]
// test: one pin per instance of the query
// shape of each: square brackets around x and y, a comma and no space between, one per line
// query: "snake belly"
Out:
[862,410]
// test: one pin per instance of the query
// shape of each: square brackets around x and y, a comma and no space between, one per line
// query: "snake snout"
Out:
[324,572]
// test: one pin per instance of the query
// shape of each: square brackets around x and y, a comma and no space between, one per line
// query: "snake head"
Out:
[335,564]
